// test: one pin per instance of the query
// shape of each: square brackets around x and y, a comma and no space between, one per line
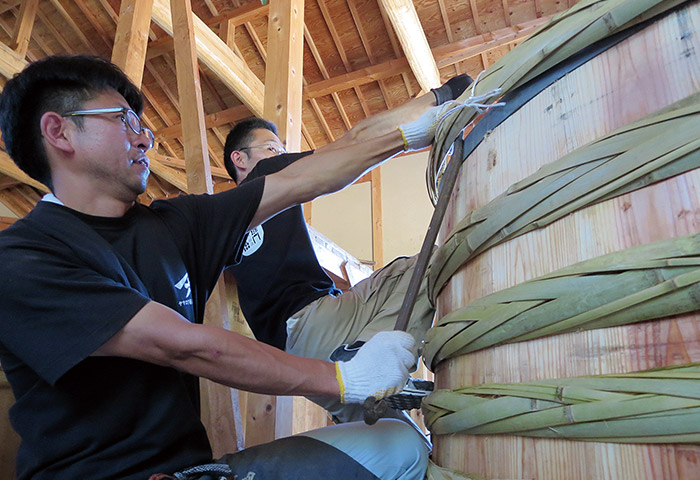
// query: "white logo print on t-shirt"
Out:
[253,241]
[184,286]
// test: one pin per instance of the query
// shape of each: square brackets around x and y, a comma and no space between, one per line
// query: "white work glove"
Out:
[380,367]
[420,133]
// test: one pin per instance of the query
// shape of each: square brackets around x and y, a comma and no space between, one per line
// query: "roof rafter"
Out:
[406,23]
[445,55]
[216,55]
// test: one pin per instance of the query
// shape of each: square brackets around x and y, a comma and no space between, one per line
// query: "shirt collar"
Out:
[50,197]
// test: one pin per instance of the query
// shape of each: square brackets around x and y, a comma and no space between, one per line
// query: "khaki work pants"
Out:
[371,306]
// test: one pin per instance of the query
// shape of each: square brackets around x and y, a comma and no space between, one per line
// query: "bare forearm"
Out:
[324,172]
[384,122]
[159,335]
[246,364]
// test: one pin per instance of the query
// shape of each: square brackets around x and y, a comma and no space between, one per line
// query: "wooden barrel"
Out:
[649,70]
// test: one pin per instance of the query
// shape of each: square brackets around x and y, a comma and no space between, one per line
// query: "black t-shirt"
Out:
[68,283]
[279,273]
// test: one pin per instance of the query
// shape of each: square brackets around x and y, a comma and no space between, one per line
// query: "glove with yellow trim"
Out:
[420,133]
[380,367]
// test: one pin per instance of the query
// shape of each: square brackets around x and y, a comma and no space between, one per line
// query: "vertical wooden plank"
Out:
[190,94]
[283,83]
[377,223]
[23,28]
[131,38]
[283,72]
[217,400]
[227,33]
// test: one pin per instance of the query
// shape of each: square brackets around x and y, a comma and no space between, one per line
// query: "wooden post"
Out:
[217,400]
[273,417]
[131,38]
[377,222]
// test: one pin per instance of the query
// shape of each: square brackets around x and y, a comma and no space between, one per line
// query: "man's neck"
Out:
[96,205]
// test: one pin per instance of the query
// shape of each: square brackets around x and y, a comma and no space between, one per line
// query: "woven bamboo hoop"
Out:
[653,68]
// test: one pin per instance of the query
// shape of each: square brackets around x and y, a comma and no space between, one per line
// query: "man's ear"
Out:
[237,159]
[54,131]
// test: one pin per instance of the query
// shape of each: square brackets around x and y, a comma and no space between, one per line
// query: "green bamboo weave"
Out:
[640,283]
[565,35]
[653,406]
[659,146]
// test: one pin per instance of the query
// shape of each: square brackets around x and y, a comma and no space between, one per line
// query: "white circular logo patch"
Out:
[253,241]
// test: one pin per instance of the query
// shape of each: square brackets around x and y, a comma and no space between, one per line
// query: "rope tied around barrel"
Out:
[652,406]
[478,103]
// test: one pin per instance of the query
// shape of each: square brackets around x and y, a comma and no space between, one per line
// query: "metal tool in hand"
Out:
[374,409]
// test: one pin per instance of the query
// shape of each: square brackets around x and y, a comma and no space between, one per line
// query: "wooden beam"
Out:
[445,55]
[283,75]
[506,12]
[232,18]
[475,17]
[23,28]
[131,38]
[20,201]
[190,95]
[395,47]
[285,37]
[406,23]
[178,163]
[10,62]
[174,177]
[346,63]
[9,168]
[377,219]
[75,28]
[6,5]
[217,405]
[215,54]
[240,15]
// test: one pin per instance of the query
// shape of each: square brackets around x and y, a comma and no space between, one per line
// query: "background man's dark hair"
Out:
[240,136]
[54,84]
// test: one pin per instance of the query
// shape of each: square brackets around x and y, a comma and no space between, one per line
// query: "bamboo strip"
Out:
[641,283]
[654,406]
[649,150]
[565,35]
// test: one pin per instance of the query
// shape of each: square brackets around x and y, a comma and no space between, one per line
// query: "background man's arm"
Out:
[324,171]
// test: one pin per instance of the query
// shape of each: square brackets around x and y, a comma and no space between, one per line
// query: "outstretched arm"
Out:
[159,335]
[387,121]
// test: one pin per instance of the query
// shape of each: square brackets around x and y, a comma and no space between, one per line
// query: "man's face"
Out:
[109,152]
[263,144]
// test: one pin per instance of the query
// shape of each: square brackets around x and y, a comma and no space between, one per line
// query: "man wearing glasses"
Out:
[286,297]
[102,300]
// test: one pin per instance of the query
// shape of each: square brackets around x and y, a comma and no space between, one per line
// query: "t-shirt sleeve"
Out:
[268,166]
[211,228]
[56,311]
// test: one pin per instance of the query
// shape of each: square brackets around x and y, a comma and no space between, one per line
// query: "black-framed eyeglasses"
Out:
[128,116]
[275,149]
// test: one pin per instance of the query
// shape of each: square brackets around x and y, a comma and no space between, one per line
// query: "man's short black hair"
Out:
[240,136]
[59,83]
